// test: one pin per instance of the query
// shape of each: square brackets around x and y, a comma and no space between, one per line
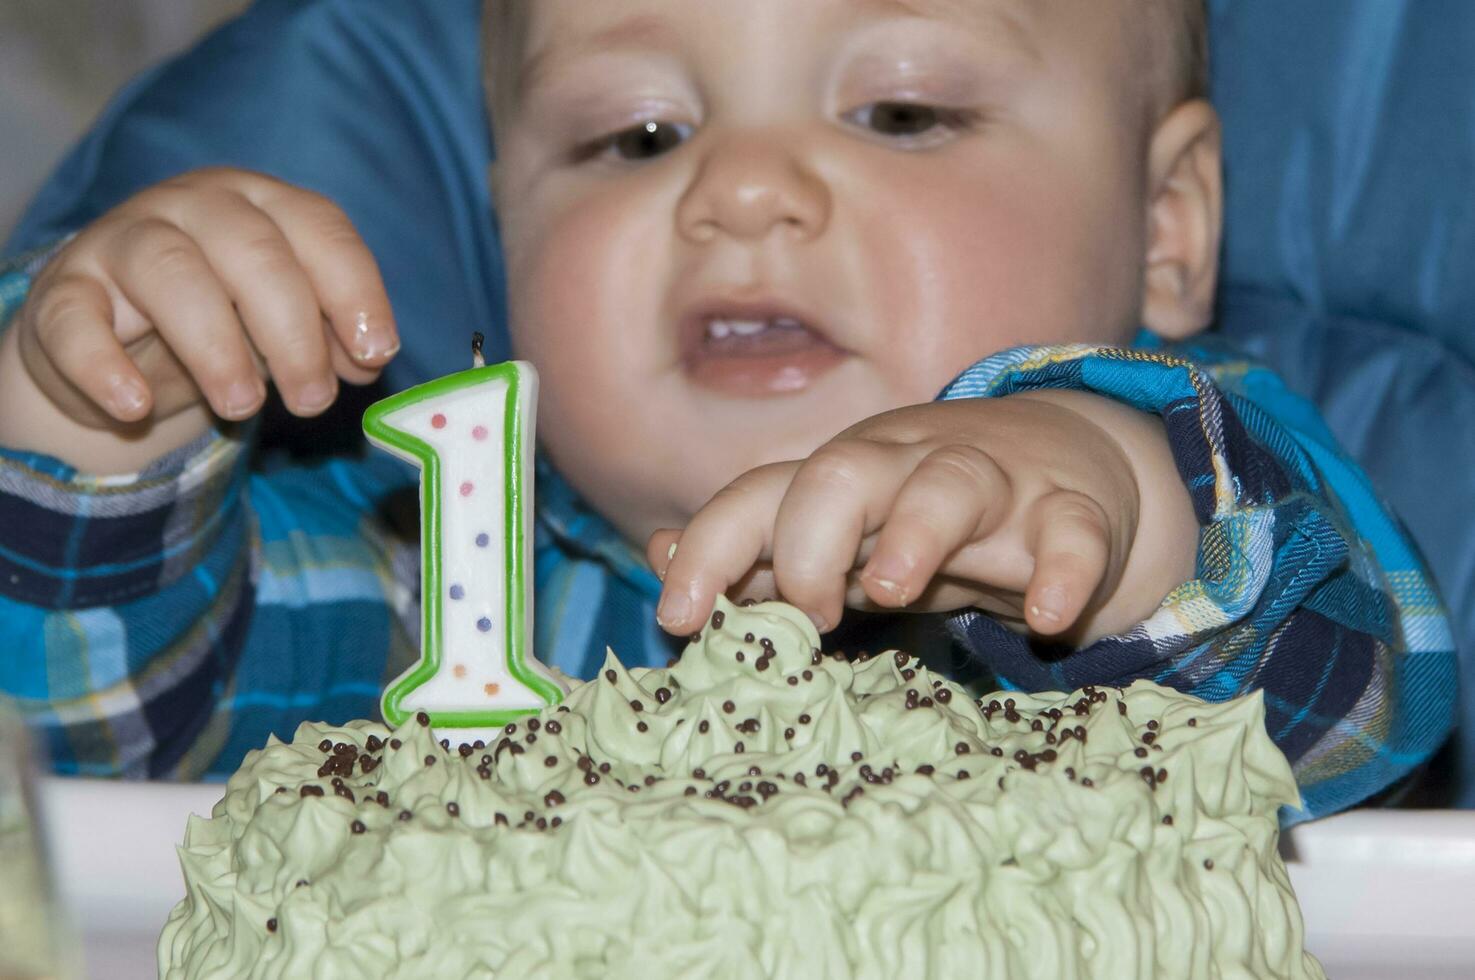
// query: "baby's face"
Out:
[734,229]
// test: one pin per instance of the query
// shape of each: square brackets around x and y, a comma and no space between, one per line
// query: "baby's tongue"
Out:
[779,640]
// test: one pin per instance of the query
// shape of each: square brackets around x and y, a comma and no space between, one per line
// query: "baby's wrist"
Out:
[30,421]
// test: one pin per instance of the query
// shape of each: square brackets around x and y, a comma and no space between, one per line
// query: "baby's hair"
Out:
[1185,25]
[1180,25]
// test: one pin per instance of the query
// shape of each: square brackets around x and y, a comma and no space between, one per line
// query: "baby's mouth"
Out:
[753,354]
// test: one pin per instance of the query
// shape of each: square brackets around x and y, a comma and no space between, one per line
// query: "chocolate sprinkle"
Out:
[423,719]
[271,925]
[357,827]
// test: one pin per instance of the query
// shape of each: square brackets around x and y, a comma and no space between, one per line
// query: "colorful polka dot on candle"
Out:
[479,433]
[483,539]
[484,624]
[492,689]
[460,670]
[457,592]
[437,421]
[466,488]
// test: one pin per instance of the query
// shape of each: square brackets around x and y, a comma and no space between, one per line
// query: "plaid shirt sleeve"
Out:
[1305,588]
[159,624]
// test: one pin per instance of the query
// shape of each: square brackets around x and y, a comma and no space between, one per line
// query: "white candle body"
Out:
[478,604]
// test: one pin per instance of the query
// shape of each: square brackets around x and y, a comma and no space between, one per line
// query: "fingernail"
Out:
[241,398]
[314,396]
[821,624]
[127,398]
[372,341]
[675,608]
[885,574]
[1052,601]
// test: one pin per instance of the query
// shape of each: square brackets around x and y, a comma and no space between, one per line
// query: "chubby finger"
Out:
[723,542]
[757,585]
[957,495]
[1071,542]
[343,272]
[840,494]
[164,274]
[277,305]
[73,327]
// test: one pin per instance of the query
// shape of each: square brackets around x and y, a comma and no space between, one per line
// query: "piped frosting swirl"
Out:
[758,809]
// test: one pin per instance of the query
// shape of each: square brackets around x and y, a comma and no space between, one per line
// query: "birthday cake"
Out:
[758,809]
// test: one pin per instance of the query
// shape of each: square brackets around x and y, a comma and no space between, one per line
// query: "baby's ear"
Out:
[1184,220]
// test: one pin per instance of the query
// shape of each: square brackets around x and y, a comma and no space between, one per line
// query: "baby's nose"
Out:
[748,186]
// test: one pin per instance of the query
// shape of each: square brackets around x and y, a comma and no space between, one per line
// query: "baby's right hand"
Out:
[199,289]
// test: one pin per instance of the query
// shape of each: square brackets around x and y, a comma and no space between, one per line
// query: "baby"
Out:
[747,246]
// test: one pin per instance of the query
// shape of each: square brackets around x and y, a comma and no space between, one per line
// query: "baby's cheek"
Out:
[585,304]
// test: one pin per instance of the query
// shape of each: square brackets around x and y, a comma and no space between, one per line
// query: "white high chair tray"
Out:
[1385,894]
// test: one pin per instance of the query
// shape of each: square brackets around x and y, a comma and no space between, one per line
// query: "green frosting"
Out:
[758,810]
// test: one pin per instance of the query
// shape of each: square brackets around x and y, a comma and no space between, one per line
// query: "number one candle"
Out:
[471,434]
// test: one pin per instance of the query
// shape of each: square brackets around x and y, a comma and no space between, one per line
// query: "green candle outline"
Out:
[377,428]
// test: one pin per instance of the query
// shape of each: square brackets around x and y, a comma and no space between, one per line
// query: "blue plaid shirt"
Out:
[161,624]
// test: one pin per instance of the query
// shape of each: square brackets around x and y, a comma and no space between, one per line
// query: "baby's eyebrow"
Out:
[1006,16]
[641,32]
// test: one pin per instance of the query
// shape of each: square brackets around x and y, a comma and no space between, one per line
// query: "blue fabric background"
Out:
[1350,247]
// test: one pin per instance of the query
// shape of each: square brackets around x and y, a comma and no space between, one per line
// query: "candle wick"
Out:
[476,341]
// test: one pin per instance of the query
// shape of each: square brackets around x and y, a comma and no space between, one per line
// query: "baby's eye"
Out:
[912,122]
[641,142]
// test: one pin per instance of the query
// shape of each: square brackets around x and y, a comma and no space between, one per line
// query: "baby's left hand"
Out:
[1026,507]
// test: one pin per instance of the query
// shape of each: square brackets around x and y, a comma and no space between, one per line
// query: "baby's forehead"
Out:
[1162,38]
